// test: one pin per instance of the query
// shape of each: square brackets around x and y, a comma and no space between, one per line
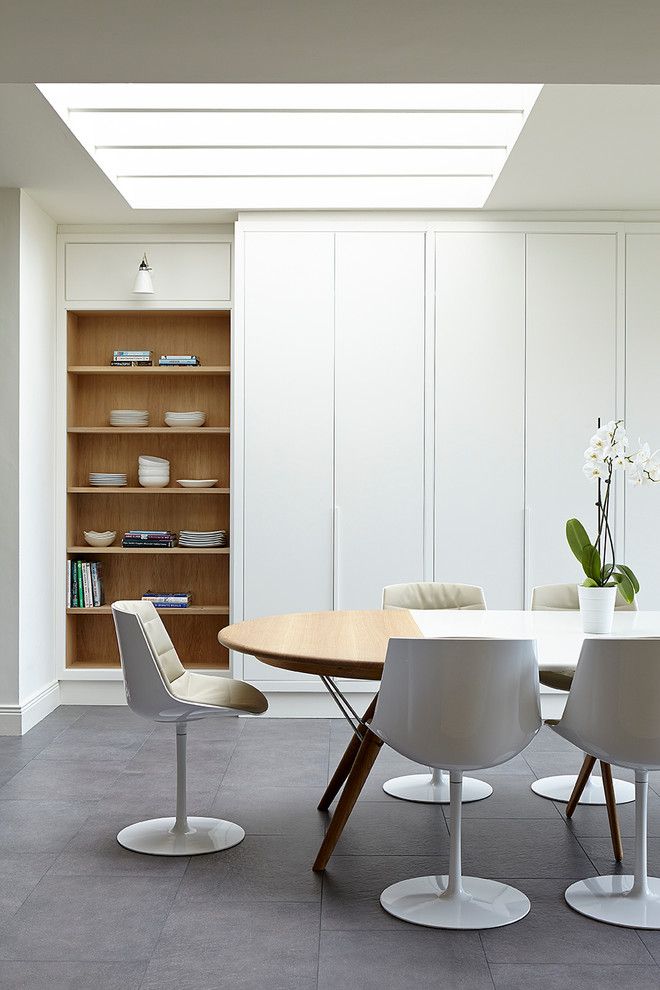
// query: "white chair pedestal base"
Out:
[159,838]
[433,788]
[479,904]
[611,899]
[560,789]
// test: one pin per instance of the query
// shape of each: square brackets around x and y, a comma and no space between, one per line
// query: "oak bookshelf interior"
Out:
[94,387]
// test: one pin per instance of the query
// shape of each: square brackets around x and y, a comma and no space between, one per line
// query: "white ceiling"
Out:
[564,41]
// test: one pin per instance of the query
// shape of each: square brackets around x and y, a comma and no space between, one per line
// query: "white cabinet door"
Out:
[183,271]
[642,536]
[379,414]
[480,413]
[571,335]
[288,427]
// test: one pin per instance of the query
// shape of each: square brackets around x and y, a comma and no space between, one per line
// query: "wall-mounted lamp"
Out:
[143,281]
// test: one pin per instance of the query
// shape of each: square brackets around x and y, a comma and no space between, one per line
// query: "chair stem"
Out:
[181,823]
[640,885]
[437,776]
[455,879]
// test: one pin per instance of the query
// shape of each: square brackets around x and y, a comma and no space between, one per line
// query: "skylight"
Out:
[321,146]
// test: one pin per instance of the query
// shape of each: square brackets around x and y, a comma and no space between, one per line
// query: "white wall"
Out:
[9,449]
[37,442]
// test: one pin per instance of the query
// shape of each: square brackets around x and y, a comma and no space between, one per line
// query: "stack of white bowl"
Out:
[102,479]
[153,472]
[129,417]
[185,419]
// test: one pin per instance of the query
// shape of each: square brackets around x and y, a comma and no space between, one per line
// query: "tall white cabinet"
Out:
[333,454]
[570,381]
[642,537]
[479,412]
[379,414]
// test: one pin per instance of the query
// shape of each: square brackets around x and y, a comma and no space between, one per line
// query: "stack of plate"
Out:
[216,538]
[100,479]
[153,472]
[186,419]
[129,417]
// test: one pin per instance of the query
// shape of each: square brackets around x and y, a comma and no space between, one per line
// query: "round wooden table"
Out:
[354,644]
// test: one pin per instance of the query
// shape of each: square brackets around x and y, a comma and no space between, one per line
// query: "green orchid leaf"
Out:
[591,564]
[629,574]
[625,587]
[577,537]
[589,583]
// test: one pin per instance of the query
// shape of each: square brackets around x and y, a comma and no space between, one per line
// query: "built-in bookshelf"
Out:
[93,389]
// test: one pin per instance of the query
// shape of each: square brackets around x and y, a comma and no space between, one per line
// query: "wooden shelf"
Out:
[94,387]
[196,430]
[172,551]
[190,610]
[104,369]
[125,490]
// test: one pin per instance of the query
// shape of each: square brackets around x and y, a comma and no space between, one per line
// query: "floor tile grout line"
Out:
[487,961]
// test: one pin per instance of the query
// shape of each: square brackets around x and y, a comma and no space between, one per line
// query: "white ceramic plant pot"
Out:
[597,608]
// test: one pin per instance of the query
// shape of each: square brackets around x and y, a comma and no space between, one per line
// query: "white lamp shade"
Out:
[143,283]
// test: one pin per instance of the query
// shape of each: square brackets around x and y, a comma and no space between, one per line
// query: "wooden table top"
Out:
[333,644]
[354,644]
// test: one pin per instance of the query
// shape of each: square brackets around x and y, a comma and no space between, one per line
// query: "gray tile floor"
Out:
[77,912]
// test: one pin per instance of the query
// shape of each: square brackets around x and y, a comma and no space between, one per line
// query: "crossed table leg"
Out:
[352,771]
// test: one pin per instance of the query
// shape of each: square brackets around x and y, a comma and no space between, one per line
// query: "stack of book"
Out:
[168,599]
[84,584]
[149,538]
[184,360]
[132,359]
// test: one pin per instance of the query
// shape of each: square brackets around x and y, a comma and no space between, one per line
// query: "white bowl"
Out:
[146,459]
[197,482]
[100,539]
[154,482]
[184,424]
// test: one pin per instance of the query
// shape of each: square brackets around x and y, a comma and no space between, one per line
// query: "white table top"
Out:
[558,634]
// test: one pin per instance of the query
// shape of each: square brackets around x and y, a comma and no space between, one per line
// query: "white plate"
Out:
[197,482]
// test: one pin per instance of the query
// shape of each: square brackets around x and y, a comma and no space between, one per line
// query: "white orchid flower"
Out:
[652,466]
[643,454]
[619,459]
[594,470]
[601,439]
[593,454]
[637,475]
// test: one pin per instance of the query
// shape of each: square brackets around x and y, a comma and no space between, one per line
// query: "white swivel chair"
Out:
[613,711]
[464,704]
[158,687]
[433,787]
[564,597]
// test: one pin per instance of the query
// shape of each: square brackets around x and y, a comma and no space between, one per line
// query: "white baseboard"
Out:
[16,720]
[92,693]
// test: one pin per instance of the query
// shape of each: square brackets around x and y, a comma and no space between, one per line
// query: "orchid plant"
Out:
[609,451]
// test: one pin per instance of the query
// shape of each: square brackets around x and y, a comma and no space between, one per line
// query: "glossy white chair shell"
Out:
[564,597]
[160,688]
[613,712]
[433,787]
[461,704]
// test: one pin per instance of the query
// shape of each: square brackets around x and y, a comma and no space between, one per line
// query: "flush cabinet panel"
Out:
[642,529]
[571,342]
[186,271]
[288,326]
[479,412]
[379,414]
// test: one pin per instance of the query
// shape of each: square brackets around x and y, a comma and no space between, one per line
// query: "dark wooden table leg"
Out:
[367,753]
[613,818]
[346,762]
[580,784]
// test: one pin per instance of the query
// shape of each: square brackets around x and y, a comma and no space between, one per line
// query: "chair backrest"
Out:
[564,597]
[433,594]
[148,659]
[460,704]
[613,707]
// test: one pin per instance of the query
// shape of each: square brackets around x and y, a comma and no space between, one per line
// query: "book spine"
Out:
[89,600]
[79,591]
[133,354]
[99,578]
[68,584]
[95,586]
